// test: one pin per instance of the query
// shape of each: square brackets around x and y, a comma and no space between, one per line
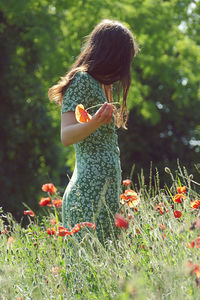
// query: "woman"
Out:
[93,192]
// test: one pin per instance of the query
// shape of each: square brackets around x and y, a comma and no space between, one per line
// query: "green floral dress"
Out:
[93,192]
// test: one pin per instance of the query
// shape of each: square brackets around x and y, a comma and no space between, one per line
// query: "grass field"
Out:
[157,255]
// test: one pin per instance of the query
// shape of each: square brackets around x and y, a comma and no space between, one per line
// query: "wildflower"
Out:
[10,241]
[63,231]
[76,228]
[57,202]
[51,231]
[158,207]
[194,269]
[162,226]
[178,197]
[126,182]
[49,187]
[29,212]
[181,189]
[88,224]
[177,214]
[121,222]
[130,197]
[195,243]
[161,207]
[142,247]
[195,204]
[53,221]
[45,201]
[4,231]
[81,114]
[164,236]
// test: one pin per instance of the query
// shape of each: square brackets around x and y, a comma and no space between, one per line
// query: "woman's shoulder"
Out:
[83,77]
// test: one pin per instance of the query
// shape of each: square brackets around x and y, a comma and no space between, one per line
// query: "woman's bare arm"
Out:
[73,132]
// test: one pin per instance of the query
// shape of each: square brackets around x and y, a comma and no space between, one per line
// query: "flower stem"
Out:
[102,104]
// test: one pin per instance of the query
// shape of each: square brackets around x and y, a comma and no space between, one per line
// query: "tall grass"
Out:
[147,262]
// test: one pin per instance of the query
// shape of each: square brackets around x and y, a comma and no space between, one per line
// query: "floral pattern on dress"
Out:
[93,192]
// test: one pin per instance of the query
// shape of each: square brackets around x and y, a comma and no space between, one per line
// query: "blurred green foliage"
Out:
[40,39]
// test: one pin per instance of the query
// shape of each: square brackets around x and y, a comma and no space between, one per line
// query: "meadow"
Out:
[155,257]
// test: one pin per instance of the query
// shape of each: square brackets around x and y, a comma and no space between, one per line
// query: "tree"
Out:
[39,41]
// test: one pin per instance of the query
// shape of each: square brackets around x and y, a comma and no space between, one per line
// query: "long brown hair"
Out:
[107,57]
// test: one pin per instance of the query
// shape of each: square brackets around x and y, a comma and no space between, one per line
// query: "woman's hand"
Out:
[104,114]
[73,132]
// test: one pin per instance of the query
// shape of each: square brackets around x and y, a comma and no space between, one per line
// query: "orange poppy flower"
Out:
[162,226]
[51,231]
[45,201]
[81,114]
[126,182]
[195,204]
[181,189]
[177,214]
[178,197]
[53,221]
[121,222]
[130,197]
[57,202]
[29,212]
[194,269]
[10,241]
[49,187]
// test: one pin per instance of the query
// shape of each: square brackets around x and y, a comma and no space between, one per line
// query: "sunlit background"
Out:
[39,41]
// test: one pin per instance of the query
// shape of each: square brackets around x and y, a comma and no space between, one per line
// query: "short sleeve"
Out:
[77,92]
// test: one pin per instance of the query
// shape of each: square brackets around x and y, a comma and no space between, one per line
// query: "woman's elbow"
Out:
[65,141]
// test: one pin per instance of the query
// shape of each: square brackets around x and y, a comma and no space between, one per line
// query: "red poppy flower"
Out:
[45,201]
[177,214]
[181,189]
[51,231]
[88,224]
[57,202]
[63,231]
[29,212]
[195,243]
[178,197]
[195,204]
[49,187]
[161,207]
[121,222]
[4,231]
[126,182]
[158,207]
[81,114]
[76,228]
